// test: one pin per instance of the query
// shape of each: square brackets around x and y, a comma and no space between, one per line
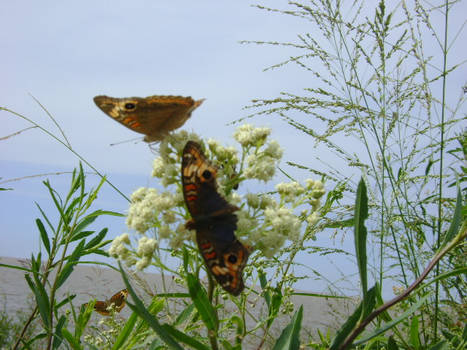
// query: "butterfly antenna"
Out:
[130,140]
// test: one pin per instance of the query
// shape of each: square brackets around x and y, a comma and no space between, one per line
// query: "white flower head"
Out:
[253,200]
[247,135]
[118,247]
[143,263]
[290,190]
[260,167]
[158,167]
[274,150]
[146,246]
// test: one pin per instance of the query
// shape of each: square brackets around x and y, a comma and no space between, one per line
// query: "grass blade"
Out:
[290,336]
[201,301]
[142,312]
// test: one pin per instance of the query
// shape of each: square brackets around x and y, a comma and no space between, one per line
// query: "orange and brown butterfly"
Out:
[153,116]
[105,307]
[213,219]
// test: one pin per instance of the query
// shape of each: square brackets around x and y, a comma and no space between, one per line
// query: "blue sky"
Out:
[65,53]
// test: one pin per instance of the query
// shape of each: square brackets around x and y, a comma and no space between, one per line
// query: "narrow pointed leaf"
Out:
[360,232]
[414,333]
[456,220]
[44,236]
[395,321]
[58,337]
[290,336]
[75,345]
[184,338]
[96,240]
[183,316]
[201,301]
[41,300]
[347,327]
[139,308]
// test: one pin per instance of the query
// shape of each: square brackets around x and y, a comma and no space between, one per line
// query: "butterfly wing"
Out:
[118,300]
[213,219]
[153,116]
[225,259]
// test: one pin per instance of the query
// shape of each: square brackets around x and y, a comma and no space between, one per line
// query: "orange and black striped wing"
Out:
[213,219]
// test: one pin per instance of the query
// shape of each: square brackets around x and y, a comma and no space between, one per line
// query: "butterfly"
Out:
[153,116]
[213,219]
[118,300]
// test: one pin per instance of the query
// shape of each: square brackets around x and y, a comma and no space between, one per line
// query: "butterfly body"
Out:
[154,116]
[213,219]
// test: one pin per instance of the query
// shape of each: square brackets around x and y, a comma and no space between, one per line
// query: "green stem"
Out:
[462,235]
[441,161]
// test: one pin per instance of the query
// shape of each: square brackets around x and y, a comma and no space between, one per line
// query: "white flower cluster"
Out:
[146,205]
[268,224]
[118,248]
[146,247]
[223,154]
[260,164]
[247,135]
[289,191]
[263,221]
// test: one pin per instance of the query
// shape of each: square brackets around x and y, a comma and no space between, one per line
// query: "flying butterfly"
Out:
[154,116]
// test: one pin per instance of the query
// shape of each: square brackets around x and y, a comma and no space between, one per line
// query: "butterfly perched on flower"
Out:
[213,219]
[118,301]
[153,116]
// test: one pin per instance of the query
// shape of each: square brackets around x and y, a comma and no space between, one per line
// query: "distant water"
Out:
[89,282]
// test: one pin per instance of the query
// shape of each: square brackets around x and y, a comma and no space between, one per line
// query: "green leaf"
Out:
[126,331]
[139,308]
[391,324]
[75,345]
[201,301]
[414,333]
[276,302]
[266,293]
[85,222]
[369,301]
[78,236]
[361,214]
[83,318]
[96,240]
[184,338]
[428,166]
[183,316]
[58,338]
[348,326]
[70,265]
[340,224]
[41,300]
[67,300]
[392,345]
[456,220]
[290,336]
[442,345]
[44,236]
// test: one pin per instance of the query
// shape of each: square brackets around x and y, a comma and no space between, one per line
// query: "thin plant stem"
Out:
[433,263]
[441,161]
[69,148]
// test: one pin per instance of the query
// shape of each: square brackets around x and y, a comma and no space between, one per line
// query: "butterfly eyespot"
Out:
[207,174]
[232,259]
[130,105]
